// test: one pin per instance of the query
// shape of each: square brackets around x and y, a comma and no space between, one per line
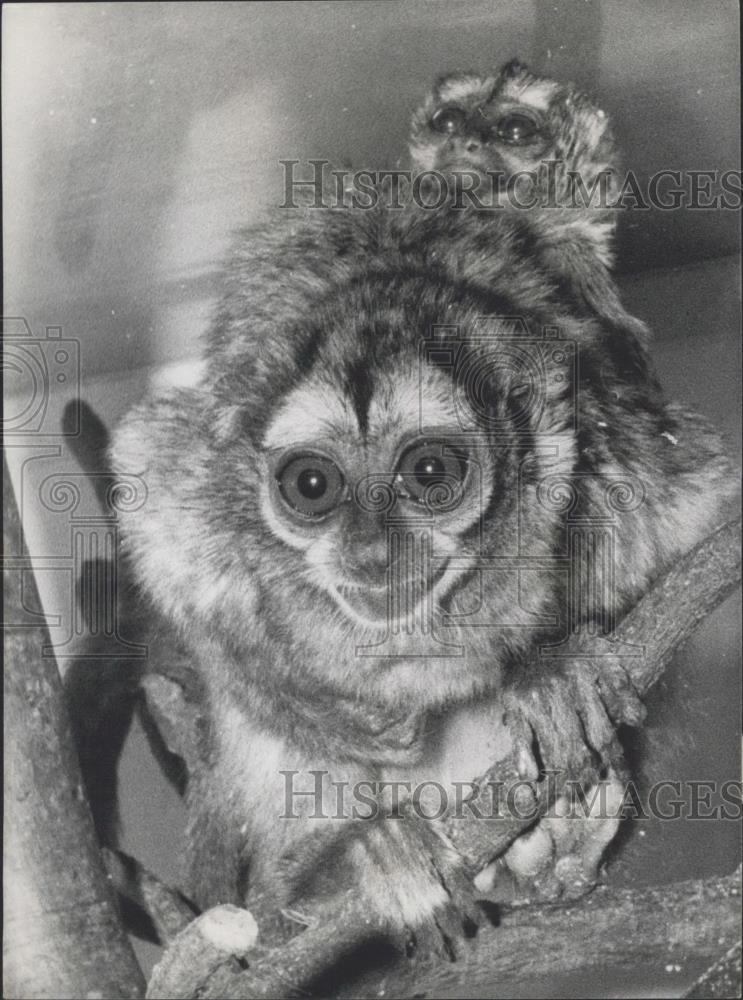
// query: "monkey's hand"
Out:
[564,731]
[565,721]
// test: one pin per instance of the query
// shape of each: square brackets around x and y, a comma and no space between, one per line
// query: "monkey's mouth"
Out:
[464,163]
[407,601]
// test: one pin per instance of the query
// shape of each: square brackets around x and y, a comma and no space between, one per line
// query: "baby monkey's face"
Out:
[510,123]
[375,487]
[482,124]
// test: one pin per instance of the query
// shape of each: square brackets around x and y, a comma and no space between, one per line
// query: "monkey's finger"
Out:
[622,701]
[597,726]
[530,722]
[551,713]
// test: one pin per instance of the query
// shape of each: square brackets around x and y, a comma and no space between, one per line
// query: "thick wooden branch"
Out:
[619,927]
[62,932]
[668,924]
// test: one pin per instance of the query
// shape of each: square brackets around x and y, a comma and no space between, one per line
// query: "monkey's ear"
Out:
[177,724]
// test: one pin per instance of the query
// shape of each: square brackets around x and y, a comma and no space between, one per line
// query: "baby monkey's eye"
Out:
[433,474]
[312,485]
[449,120]
[516,128]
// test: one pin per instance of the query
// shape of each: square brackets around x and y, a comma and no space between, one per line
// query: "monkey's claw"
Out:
[442,913]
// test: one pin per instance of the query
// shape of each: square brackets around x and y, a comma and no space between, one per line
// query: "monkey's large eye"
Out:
[449,120]
[432,474]
[516,128]
[312,485]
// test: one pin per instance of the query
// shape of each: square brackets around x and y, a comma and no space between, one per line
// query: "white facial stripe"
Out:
[400,404]
[310,411]
[535,95]
[465,88]
[423,398]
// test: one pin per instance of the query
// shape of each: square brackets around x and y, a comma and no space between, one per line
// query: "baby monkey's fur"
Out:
[561,161]
[355,335]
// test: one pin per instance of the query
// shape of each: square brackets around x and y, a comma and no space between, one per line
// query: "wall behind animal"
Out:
[142,133]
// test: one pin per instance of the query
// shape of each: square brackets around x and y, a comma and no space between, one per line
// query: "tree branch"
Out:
[722,980]
[694,919]
[62,935]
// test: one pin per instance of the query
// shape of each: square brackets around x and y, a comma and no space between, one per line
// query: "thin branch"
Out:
[659,624]
[167,908]
[673,609]
[721,981]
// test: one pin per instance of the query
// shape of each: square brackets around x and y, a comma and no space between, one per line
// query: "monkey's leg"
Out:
[433,899]
[564,724]
[409,878]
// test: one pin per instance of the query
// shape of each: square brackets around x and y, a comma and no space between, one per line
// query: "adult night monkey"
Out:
[357,527]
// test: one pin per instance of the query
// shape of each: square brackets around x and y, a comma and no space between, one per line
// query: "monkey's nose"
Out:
[368,563]
[473,146]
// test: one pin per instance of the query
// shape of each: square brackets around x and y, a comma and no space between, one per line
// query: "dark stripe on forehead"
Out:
[359,387]
[307,351]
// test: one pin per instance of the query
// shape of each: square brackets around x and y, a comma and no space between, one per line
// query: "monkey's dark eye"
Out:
[433,474]
[449,120]
[516,128]
[312,485]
